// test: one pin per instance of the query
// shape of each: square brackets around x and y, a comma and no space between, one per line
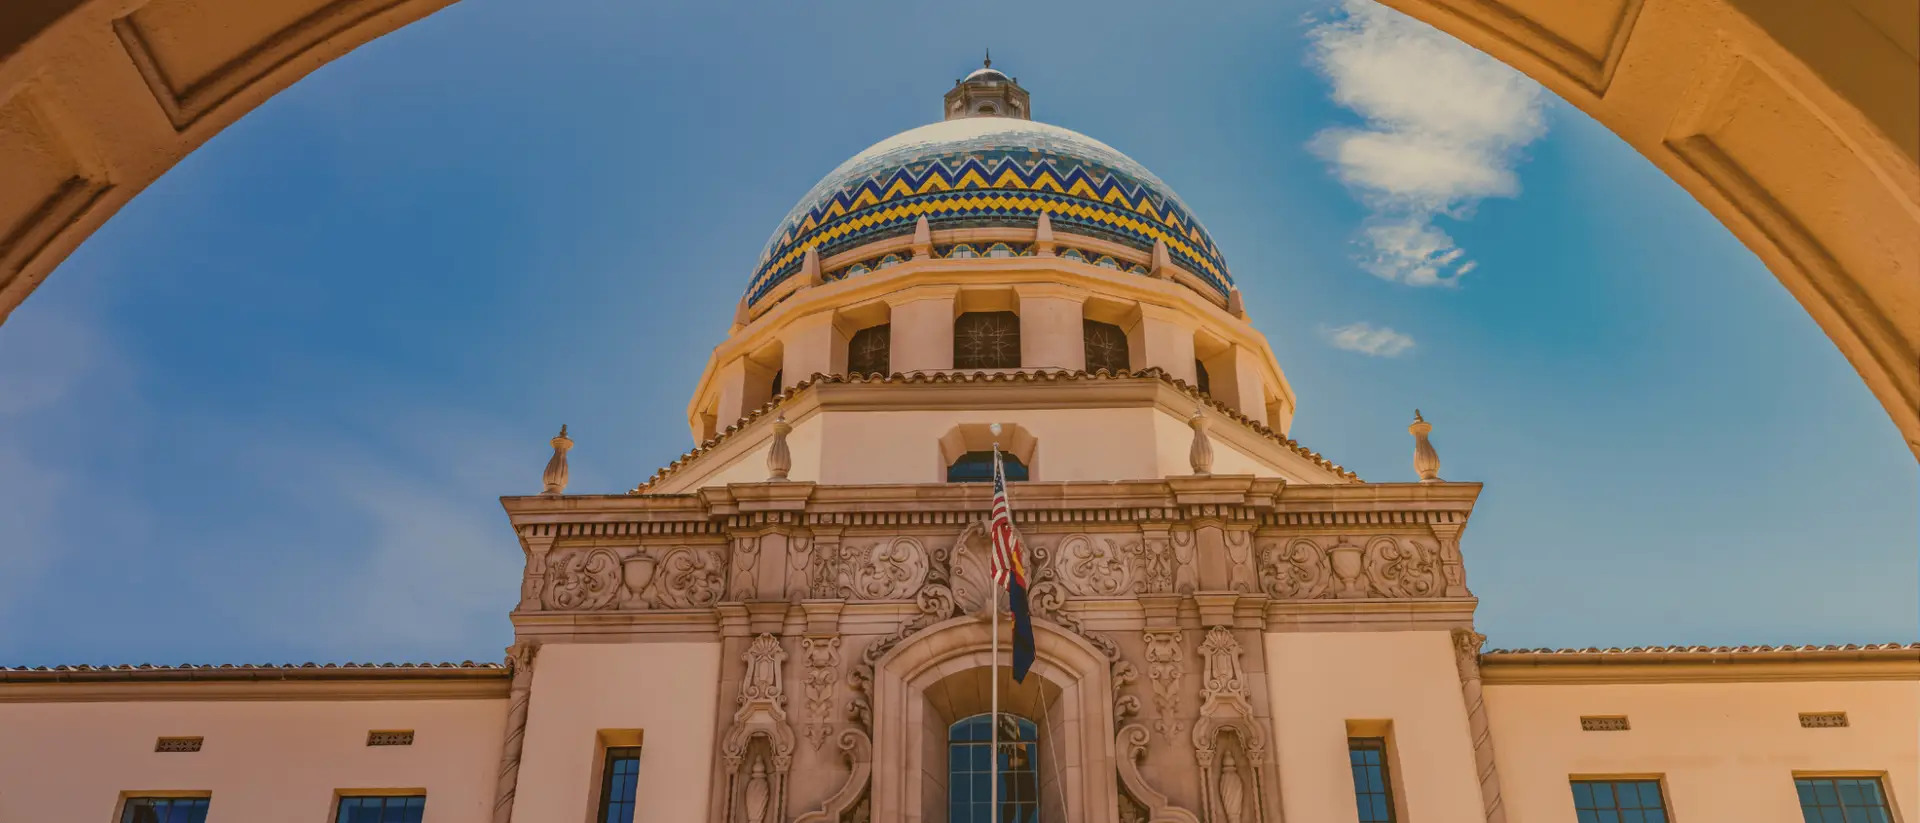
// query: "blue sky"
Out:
[266,412]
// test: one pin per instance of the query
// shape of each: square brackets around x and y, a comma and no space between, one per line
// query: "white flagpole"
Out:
[993,752]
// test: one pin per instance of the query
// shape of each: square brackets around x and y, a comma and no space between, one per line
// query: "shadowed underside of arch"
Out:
[1796,123]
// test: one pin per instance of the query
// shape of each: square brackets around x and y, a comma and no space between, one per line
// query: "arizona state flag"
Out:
[1009,569]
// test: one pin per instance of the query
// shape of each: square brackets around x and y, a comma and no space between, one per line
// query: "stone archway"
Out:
[1797,124]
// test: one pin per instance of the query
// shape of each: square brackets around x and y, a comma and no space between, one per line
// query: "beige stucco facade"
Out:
[788,622]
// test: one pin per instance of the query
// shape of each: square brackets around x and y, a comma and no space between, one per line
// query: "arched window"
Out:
[1106,346]
[970,794]
[775,391]
[1200,374]
[977,467]
[870,350]
[986,340]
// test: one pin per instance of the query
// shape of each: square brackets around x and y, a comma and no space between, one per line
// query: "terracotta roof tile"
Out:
[1038,376]
[1546,655]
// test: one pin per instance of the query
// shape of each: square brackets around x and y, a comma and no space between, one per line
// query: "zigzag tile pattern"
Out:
[1015,183]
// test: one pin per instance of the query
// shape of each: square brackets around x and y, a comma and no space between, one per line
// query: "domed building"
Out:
[795,622]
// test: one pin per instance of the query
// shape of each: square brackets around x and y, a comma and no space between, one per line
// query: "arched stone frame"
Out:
[1822,186]
[1014,439]
[943,670]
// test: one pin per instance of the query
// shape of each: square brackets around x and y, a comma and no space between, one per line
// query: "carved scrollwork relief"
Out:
[1227,722]
[1098,566]
[1165,672]
[1293,569]
[583,579]
[1131,742]
[891,569]
[746,556]
[1157,556]
[936,603]
[690,578]
[972,588]
[799,559]
[757,776]
[823,670]
[1301,568]
[1403,568]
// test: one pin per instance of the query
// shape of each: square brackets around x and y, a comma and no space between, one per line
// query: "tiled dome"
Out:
[988,171]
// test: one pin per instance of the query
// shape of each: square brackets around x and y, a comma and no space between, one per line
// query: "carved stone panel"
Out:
[886,569]
[1304,568]
[1098,566]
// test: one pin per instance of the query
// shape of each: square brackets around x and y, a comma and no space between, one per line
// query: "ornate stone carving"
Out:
[1186,574]
[1131,742]
[936,603]
[1200,454]
[1157,556]
[751,786]
[1097,566]
[972,587]
[1403,568]
[554,479]
[1293,569]
[1226,713]
[892,569]
[583,579]
[746,556]
[690,578]
[1466,659]
[1241,574]
[1426,461]
[824,574]
[822,655]
[1233,789]
[1165,672]
[520,661]
[779,457]
[799,559]
[1300,569]
[638,573]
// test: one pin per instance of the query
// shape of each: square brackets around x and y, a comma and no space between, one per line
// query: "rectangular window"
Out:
[1619,801]
[1842,800]
[382,809]
[617,788]
[1372,786]
[165,810]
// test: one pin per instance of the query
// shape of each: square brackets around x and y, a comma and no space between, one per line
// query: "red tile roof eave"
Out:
[1038,375]
[467,670]
[1702,654]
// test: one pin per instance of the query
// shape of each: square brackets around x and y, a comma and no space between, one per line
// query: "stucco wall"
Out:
[1727,751]
[1321,680]
[262,760]
[667,691]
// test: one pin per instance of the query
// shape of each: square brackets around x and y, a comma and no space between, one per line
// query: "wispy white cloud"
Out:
[1445,128]
[1370,340]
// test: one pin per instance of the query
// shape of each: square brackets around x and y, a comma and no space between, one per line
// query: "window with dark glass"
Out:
[165,810]
[1619,801]
[986,340]
[1106,346]
[1372,786]
[776,383]
[1200,378]
[382,809]
[977,467]
[871,350]
[1842,800]
[617,785]
[970,789]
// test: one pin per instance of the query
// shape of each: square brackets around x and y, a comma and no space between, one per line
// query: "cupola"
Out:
[988,92]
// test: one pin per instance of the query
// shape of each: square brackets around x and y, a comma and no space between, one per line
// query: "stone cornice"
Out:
[308,682]
[1699,664]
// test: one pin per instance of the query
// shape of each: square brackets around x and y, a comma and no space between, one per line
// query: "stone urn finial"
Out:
[1201,455]
[555,477]
[779,458]
[1426,461]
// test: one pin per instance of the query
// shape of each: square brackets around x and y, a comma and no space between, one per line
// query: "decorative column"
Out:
[1466,657]
[1426,461]
[520,662]
[555,477]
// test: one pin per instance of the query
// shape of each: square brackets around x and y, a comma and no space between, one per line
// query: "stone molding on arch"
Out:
[1068,672]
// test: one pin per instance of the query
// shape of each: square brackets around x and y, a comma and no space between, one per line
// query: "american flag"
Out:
[1007,551]
[1009,570]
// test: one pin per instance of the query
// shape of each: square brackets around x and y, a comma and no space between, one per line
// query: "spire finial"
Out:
[987,63]
[554,479]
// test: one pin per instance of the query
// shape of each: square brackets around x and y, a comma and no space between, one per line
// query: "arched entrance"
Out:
[1797,124]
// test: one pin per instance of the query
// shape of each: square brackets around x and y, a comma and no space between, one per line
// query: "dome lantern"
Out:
[988,92]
